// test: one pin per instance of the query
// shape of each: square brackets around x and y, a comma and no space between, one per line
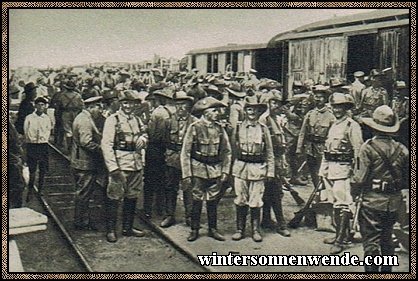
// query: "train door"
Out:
[361,54]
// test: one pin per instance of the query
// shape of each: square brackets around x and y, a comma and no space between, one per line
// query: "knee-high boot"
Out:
[188,204]
[281,224]
[337,223]
[339,246]
[212,207]
[196,212]
[129,206]
[171,203]
[255,224]
[111,214]
[241,222]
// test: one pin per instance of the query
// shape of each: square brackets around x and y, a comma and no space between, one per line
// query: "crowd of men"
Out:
[152,133]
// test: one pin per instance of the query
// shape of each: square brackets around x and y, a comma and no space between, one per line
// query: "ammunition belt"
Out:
[206,159]
[254,158]
[124,146]
[174,146]
[316,139]
[338,157]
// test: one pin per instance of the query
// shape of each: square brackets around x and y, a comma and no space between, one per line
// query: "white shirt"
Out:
[37,128]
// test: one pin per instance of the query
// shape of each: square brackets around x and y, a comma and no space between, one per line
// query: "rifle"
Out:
[359,201]
[288,187]
[299,215]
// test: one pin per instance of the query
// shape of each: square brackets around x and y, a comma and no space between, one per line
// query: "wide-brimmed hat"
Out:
[321,89]
[109,94]
[93,100]
[129,95]
[383,120]
[269,85]
[167,92]
[205,103]
[273,95]
[182,96]
[340,98]
[29,87]
[256,102]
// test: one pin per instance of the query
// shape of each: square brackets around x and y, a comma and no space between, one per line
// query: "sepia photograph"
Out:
[249,140]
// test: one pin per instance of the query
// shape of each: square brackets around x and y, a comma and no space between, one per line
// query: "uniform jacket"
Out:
[213,141]
[374,96]
[356,92]
[157,123]
[71,101]
[133,130]
[85,151]
[371,167]
[315,126]
[342,130]
[175,133]
[236,113]
[252,139]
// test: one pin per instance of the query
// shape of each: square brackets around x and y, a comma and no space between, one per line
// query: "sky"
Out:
[55,37]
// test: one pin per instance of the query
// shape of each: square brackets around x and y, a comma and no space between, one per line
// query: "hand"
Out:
[118,176]
[224,177]
[141,143]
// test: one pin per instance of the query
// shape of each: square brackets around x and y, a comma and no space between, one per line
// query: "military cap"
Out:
[256,102]
[238,94]
[127,95]
[253,70]
[269,85]
[29,87]
[235,86]
[336,82]
[340,98]
[142,95]
[181,96]
[157,86]
[358,74]
[205,103]
[299,97]
[297,83]
[41,99]
[195,70]
[375,73]
[124,73]
[218,82]
[110,70]
[383,120]
[93,100]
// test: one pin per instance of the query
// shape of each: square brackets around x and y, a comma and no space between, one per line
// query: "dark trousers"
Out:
[376,228]
[85,182]
[272,198]
[154,179]
[16,186]
[314,163]
[37,156]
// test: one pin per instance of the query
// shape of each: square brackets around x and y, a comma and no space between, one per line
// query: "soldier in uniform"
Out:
[341,148]
[205,162]
[71,104]
[382,177]
[253,165]
[85,155]
[175,131]
[314,132]
[124,137]
[375,94]
[357,88]
[111,101]
[273,192]
[236,104]
[154,174]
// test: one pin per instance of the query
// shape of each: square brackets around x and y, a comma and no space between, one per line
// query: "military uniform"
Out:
[374,96]
[312,138]
[381,180]
[356,91]
[205,159]
[254,163]
[86,156]
[124,137]
[176,130]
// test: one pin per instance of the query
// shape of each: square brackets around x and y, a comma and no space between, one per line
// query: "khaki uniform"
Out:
[254,163]
[121,136]
[313,133]
[356,92]
[375,97]
[382,198]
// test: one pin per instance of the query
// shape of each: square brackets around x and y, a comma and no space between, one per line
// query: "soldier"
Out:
[314,132]
[37,128]
[375,94]
[109,80]
[111,101]
[341,148]
[273,193]
[176,130]
[205,162]
[26,106]
[253,165]
[85,157]
[71,104]
[124,137]
[357,88]
[236,104]
[154,174]
[382,177]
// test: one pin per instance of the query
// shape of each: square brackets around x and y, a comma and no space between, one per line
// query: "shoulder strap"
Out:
[386,161]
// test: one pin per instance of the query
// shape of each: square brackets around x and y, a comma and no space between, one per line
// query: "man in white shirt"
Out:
[37,129]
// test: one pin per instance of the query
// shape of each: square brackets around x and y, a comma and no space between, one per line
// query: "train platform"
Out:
[303,241]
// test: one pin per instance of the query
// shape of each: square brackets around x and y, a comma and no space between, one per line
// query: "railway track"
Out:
[152,253]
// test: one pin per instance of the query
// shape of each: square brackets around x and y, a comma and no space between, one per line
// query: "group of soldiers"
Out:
[155,134]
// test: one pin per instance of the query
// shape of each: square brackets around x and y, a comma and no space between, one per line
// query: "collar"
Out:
[250,124]
[121,113]
[341,120]
[322,110]
[206,122]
